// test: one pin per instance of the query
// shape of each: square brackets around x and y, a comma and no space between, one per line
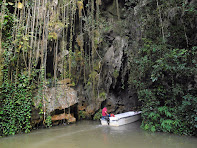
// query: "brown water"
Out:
[90,134]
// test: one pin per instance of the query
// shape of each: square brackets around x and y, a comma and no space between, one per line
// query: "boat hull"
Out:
[104,122]
[122,119]
[125,120]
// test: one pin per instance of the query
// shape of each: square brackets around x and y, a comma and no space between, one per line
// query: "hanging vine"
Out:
[67,27]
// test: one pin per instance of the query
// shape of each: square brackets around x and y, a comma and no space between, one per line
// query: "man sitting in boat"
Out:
[105,115]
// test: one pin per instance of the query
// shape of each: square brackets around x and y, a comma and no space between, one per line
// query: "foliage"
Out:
[164,84]
[31,37]
[17,86]
[164,68]
[48,121]
[15,107]
[162,62]
[82,114]
[115,73]
[102,95]
[98,115]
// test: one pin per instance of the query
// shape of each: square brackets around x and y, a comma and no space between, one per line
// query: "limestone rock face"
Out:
[113,61]
[92,108]
[60,98]
[113,77]
[89,107]
[123,101]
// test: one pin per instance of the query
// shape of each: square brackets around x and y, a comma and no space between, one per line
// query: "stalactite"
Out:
[71,37]
[79,39]
[36,43]
[66,31]
[33,23]
[88,22]
[43,57]
[160,18]
[19,38]
[80,7]
[25,31]
[98,3]
[31,42]
[117,8]
[93,47]
[26,35]
[182,21]
[1,50]
[55,61]
[63,35]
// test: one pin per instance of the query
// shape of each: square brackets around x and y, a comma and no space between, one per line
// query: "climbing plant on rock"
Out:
[30,31]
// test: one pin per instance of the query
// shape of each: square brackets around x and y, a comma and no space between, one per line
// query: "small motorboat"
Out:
[123,118]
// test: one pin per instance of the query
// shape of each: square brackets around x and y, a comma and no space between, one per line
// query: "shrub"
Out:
[98,115]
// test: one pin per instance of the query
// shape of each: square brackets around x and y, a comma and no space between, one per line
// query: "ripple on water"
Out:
[90,134]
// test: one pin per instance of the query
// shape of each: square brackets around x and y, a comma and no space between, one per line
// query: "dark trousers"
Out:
[106,118]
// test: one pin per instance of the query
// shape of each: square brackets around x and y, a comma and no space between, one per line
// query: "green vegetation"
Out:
[82,114]
[165,90]
[160,60]
[116,73]
[98,115]
[164,68]
[15,109]
[48,121]
[102,95]
[33,33]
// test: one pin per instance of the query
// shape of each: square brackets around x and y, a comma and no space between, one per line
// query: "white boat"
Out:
[123,118]
[104,122]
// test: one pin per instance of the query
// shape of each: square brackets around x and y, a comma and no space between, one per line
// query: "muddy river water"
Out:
[90,134]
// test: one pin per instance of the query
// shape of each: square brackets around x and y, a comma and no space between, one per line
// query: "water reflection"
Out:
[90,134]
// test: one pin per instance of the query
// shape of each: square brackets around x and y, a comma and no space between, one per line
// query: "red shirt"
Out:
[104,111]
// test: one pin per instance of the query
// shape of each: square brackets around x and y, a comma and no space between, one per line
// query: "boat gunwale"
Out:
[111,118]
[124,117]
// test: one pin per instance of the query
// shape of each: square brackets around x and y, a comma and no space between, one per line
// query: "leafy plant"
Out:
[102,95]
[82,114]
[163,65]
[98,115]
[48,121]
[15,107]
[166,102]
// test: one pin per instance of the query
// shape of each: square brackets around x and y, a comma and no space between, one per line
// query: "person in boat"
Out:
[105,114]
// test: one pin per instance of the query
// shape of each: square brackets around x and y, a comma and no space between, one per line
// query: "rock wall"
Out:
[112,87]
[113,80]
[114,75]
[56,100]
